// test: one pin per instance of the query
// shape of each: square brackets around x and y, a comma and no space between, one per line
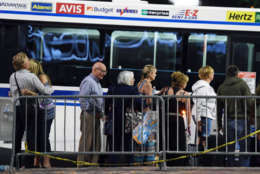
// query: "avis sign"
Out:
[70,8]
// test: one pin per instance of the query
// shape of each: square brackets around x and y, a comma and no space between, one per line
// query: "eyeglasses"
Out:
[101,70]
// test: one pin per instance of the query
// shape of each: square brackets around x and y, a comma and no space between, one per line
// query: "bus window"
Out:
[207,49]
[166,47]
[243,54]
[195,52]
[131,49]
[64,44]
[9,38]
[216,52]
[246,53]
[257,64]
[69,51]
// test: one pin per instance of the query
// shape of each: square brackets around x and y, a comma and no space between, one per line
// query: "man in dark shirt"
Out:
[236,112]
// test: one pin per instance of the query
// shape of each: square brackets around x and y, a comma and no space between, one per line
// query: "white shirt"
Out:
[203,107]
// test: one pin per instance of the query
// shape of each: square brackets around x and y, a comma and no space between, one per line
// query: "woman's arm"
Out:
[188,108]
[187,104]
[28,92]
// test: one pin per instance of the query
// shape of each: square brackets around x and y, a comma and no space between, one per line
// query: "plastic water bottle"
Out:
[4,167]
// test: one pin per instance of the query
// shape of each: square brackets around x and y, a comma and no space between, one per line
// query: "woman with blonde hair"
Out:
[145,85]
[46,114]
[204,109]
[145,88]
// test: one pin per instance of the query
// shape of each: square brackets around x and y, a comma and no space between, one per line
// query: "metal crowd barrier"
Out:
[172,140]
[65,134]
[6,119]
[232,142]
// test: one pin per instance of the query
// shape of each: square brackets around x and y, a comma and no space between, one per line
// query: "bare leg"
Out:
[46,162]
[36,162]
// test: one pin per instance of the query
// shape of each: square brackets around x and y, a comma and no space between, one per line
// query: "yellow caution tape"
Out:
[84,163]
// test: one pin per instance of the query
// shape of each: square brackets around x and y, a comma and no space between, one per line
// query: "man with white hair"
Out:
[91,112]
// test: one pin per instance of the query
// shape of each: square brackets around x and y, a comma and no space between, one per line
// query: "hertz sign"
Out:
[240,16]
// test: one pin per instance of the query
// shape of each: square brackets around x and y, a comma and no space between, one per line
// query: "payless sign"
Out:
[240,16]
[69,8]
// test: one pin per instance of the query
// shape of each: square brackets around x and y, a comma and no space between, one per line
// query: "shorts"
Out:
[206,124]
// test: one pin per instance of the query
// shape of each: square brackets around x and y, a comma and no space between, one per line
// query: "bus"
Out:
[67,37]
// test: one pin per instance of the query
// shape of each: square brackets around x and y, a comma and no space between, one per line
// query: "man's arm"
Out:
[13,86]
[85,90]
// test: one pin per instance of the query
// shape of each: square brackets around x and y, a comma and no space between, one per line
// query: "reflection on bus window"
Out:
[195,51]
[166,51]
[243,54]
[206,49]
[64,44]
[133,50]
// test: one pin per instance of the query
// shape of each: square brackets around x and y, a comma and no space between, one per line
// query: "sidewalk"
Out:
[142,170]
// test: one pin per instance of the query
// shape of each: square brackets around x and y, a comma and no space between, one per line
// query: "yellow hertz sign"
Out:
[240,16]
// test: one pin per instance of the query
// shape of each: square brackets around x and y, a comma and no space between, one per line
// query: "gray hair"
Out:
[125,77]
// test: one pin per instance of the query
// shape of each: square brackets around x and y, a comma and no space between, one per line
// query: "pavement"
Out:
[141,170]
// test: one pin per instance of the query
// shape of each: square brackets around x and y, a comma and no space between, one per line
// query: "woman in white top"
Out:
[204,109]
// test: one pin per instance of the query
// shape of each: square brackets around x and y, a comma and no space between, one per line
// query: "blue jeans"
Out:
[231,136]
[205,126]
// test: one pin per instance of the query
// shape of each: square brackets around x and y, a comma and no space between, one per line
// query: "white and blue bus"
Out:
[69,36]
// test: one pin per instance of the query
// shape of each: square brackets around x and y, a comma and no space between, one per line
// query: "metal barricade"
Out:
[72,129]
[174,137]
[231,144]
[6,119]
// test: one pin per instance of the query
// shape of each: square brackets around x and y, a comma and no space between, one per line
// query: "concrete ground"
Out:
[142,170]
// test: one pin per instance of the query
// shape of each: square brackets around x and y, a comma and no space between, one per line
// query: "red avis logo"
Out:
[68,8]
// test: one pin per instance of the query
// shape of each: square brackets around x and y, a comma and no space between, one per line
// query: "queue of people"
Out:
[123,115]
